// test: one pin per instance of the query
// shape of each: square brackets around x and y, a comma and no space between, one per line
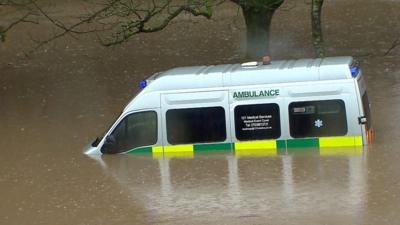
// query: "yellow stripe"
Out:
[358,141]
[341,151]
[157,155]
[157,149]
[339,141]
[178,148]
[256,152]
[255,145]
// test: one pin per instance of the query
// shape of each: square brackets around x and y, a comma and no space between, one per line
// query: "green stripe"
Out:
[281,144]
[213,147]
[303,143]
[140,150]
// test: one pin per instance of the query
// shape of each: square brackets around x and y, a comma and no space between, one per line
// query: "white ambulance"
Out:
[242,107]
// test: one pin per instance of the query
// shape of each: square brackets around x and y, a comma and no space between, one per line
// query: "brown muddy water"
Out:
[57,101]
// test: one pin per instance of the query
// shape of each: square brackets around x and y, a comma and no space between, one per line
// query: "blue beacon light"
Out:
[143,84]
[354,71]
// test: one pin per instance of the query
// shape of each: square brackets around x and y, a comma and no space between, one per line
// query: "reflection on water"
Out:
[220,185]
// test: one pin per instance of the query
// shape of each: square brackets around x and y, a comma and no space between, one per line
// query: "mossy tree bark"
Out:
[258,17]
[318,41]
[258,25]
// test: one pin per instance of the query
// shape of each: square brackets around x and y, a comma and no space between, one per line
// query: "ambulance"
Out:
[306,103]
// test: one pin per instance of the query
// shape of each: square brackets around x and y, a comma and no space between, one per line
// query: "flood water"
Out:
[55,102]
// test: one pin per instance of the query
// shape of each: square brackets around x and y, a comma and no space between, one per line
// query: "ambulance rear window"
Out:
[317,118]
[196,125]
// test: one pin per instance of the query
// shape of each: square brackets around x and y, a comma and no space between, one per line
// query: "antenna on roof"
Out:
[266,60]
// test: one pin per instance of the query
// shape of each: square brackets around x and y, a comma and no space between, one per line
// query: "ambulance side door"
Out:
[195,120]
[256,114]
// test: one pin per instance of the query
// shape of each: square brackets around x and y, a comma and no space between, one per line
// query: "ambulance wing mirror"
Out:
[110,145]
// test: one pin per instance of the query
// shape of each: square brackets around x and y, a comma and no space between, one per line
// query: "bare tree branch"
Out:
[118,20]
[67,30]
[128,17]
[20,7]
[394,45]
[53,21]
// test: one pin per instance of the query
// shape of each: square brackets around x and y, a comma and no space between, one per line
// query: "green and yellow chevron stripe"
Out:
[268,147]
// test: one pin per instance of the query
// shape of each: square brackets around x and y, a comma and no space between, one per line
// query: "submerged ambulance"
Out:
[295,103]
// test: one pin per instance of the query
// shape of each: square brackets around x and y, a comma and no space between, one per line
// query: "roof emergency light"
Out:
[354,71]
[143,83]
[266,60]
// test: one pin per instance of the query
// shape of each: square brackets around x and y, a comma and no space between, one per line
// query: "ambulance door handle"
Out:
[362,120]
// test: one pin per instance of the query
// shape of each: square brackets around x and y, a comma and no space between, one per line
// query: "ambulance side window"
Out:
[196,125]
[135,130]
[317,118]
[257,122]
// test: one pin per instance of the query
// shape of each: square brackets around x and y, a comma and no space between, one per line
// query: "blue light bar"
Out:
[143,84]
[354,71]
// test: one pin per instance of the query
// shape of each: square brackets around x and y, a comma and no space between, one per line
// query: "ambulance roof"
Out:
[285,71]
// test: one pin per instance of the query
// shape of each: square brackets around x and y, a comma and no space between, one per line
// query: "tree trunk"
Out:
[318,41]
[2,35]
[258,24]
